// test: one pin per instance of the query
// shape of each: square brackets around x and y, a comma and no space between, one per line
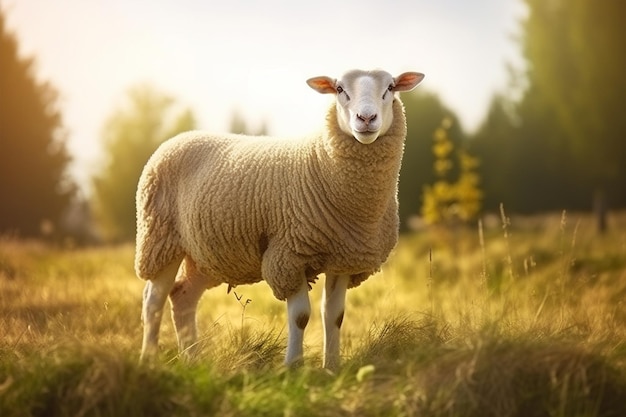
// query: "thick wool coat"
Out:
[246,209]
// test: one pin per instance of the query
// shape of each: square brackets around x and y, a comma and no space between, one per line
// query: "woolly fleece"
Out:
[245,209]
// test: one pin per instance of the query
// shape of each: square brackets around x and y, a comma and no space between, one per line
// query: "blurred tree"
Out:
[239,125]
[424,113]
[130,136]
[34,186]
[492,143]
[449,201]
[575,55]
[525,161]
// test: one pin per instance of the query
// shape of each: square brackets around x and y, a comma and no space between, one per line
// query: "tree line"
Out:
[554,139]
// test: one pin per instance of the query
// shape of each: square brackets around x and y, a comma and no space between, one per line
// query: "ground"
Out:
[521,318]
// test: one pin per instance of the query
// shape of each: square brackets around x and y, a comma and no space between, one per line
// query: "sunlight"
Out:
[279,96]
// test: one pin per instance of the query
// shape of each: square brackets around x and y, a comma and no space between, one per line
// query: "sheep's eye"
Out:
[390,88]
[341,90]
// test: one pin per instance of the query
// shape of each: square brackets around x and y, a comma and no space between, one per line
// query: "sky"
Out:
[253,57]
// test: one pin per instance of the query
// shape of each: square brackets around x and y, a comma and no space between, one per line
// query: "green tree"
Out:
[525,161]
[575,58]
[131,134]
[492,143]
[34,186]
[424,113]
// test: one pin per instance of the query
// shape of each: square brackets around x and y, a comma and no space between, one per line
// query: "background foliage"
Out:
[131,134]
[424,113]
[451,201]
[552,140]
[34,186]
[562,141]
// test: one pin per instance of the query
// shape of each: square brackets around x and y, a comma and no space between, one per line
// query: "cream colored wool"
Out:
[243,209]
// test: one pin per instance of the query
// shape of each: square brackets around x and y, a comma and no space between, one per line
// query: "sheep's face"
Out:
[364,100]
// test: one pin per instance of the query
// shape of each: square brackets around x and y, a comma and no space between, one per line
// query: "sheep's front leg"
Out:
[154,295]
[298,313]
[333,307]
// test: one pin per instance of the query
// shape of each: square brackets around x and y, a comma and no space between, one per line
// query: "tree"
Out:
[239,125]
[493,143]
[424,113]
[575,55]
[451,200]
[525,161]
[34,186]
[131,134]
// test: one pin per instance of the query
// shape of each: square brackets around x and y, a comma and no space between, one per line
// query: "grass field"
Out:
[522,320]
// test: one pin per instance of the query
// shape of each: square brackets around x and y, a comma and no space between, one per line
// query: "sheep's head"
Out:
[364,100]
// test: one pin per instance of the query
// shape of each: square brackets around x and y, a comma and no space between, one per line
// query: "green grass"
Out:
[527,321]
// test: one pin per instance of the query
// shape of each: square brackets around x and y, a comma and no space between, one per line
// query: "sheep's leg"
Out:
[154,296]
[298,313]
[333,307]
[189,287]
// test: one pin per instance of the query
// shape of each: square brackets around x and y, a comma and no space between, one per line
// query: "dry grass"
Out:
[523,321]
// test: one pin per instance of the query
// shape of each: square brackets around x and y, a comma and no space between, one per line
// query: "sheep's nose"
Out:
[367,118]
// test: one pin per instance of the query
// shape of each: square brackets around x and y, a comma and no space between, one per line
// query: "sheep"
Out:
[235,209]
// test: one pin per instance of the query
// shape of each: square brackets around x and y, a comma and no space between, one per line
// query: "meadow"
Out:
[511,317]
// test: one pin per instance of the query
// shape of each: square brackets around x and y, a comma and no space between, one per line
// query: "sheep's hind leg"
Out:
[298,313]
[333,307]
[189,287]
[154,296]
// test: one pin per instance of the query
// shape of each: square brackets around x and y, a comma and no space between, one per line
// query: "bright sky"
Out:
[254,56]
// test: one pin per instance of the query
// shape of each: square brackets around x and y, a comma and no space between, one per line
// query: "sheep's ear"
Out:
[324,85]
[407,81]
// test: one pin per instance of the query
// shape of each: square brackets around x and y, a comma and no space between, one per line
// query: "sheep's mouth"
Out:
[366,137]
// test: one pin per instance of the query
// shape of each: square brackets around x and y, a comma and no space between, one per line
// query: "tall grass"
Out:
[525,320]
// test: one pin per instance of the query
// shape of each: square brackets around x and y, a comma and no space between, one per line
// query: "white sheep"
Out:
[235,209]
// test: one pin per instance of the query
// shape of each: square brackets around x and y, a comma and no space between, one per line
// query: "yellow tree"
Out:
[424,112]
[449,200]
